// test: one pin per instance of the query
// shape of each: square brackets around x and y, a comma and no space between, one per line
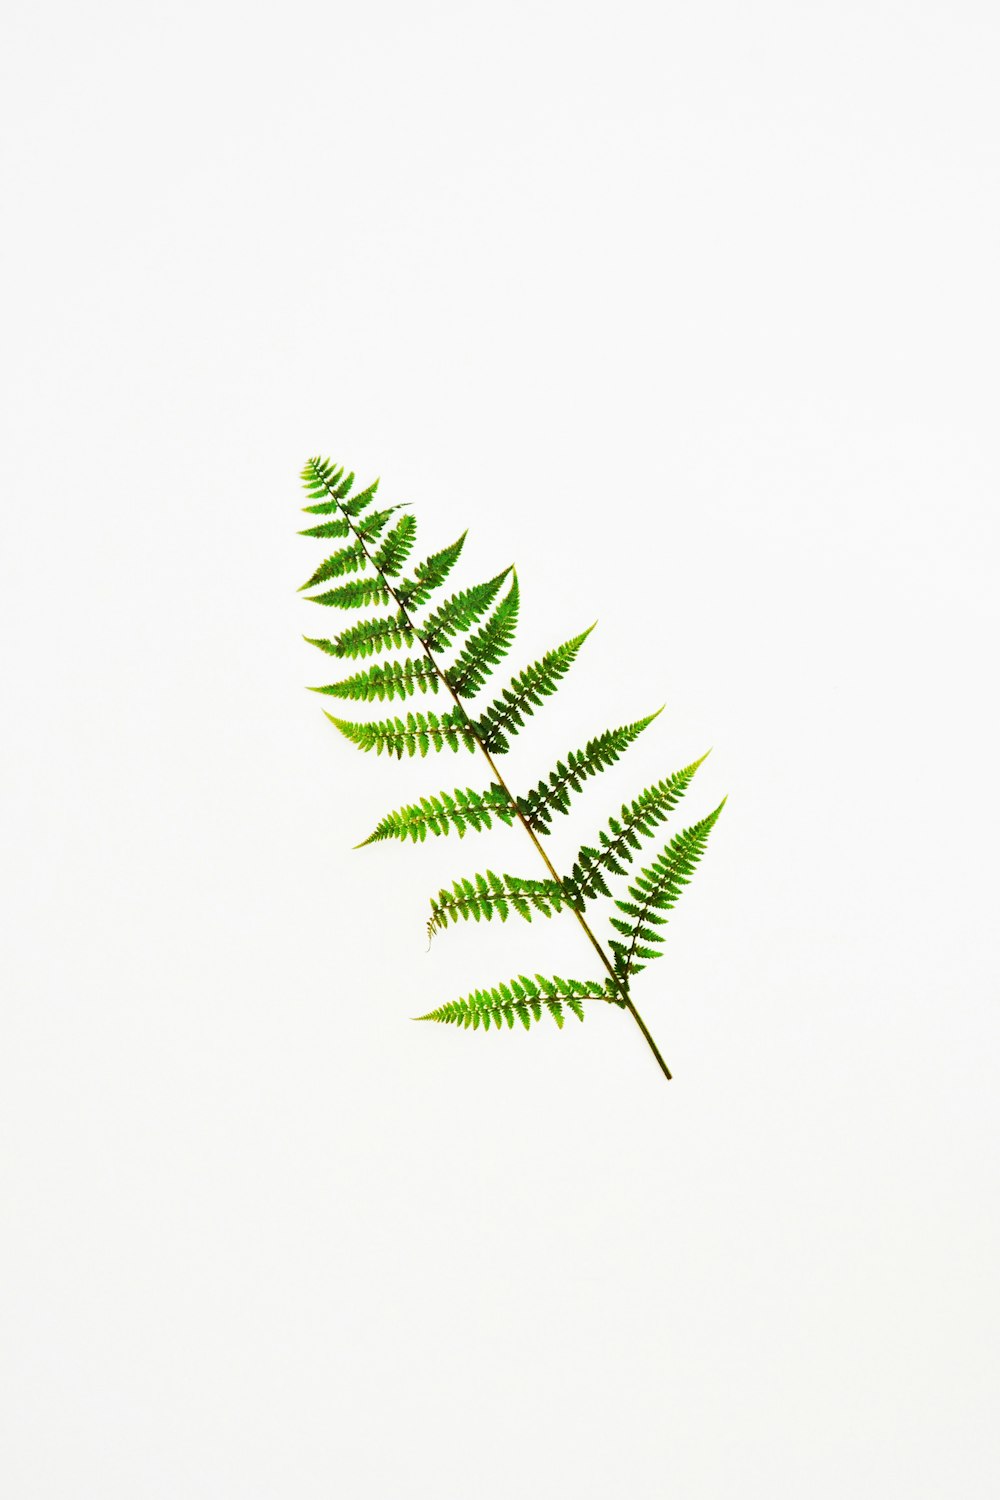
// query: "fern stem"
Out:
[620,984]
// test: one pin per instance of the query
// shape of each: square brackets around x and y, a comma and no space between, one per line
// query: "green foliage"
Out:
[486,648]
[480,631]
[552,794]
[439,815]
[429,575]
[357,594]
[460,612]
[396,548]
[521,999]
[618,845]
[655,891]
[489,895]
[518,701]
[418,733]
[398,679]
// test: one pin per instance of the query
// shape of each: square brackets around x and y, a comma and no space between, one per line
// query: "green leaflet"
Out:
[480,625]
[459,613]
[398,679]
[351,559]
[357,594]
[396,548]
[552,794]
[485,896]
[486,648]
[430,574]
[417,734]
[617,846]
[460,811]
[368,638]
[521,999]
[518,701]
[655,890]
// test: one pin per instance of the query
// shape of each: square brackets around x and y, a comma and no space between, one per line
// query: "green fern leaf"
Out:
[357,594]
[397,546]
[415,735]
[656,890]
[459,613]
[351,559]
[618,845]
[394,680]
[320,477]
[460,811]
[520,999]
[552,794]
[430,574]
[486,648]
[373,525]
[329,529]
[489,895]
[518,701]
[368,638]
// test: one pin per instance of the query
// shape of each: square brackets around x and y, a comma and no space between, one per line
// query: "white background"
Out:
[691,310]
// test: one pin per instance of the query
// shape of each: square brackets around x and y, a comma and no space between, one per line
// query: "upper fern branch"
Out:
[518,701]
[522,999]
[460,811]
[418,734]
[486,648]
[489,895]
[618,845]
[656,890]
[552,794]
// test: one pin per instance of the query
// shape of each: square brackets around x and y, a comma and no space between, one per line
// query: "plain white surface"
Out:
[693,312]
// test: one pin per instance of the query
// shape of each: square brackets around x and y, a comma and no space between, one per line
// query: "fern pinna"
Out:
[475,628]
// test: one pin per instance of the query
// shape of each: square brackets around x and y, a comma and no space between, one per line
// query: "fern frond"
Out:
[373,525]
[352,559]
[430,574]
[521,999]
[487,895]
[320,477]
[396,548]
[357,594]
[656,890]
[552,794]
[460,811]
[518,701]
[622,838]
[329,529]
[398,679]
[459,613]
[368,638]
[417,734]
[486,648]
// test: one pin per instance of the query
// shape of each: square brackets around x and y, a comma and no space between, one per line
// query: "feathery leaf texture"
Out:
[359,593]
[489,895]
[479,625]
[552,794]
[486,648]
[351,559]
[656,890]
[587,878]
[397,679]
[368,638]
[416,735]
[521,999]
[459,810]
[396,548]
[524,694]
[429,575]
[459,613]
